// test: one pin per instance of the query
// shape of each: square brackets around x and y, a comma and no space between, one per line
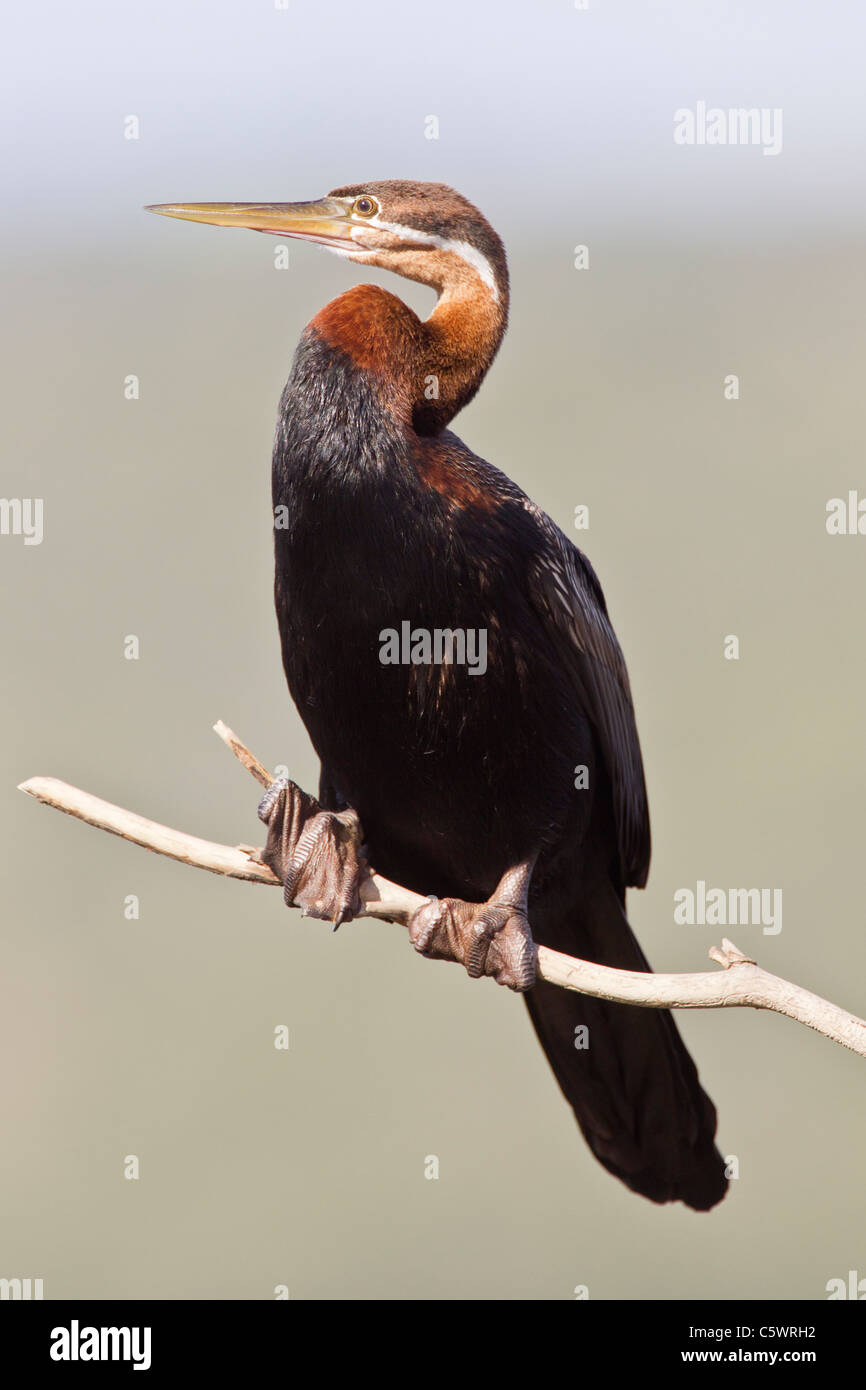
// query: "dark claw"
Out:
[314,853]
[487,938]
[266,805]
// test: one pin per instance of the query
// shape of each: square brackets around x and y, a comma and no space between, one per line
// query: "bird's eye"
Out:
[365,207]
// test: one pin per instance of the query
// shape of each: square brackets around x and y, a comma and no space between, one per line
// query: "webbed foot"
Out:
[315,854]
[492,938]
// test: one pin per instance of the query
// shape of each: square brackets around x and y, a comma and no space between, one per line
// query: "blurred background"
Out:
[155,1036]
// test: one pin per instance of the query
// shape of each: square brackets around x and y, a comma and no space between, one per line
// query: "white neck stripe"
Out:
[470,254]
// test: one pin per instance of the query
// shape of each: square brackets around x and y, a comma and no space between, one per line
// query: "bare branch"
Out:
[741,983]
[188,849]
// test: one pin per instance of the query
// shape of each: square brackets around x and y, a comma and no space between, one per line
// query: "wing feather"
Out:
[567,591]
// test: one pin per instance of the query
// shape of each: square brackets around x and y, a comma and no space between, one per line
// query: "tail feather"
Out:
[633,1087]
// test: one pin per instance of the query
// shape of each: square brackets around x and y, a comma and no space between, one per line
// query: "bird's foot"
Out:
[315,854]
[492,938]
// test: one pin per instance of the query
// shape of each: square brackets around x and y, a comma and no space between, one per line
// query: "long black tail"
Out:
[633,1086]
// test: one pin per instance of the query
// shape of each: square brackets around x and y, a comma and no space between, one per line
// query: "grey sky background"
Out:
[543,98]
[154,1036]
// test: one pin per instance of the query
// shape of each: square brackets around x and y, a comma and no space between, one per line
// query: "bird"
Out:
[451,655]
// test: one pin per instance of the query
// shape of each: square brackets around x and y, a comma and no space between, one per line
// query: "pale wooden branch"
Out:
[741,982]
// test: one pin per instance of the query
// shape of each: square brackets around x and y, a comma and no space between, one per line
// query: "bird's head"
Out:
[422,231]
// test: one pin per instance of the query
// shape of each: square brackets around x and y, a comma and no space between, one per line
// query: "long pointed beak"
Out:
[326,222]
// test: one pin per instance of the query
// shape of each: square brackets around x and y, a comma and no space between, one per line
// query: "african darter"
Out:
[462,777]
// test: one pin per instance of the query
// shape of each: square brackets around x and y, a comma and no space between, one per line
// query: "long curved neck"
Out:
[423,370]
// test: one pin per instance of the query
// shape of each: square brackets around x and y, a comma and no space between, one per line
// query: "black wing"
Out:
[564,590]
[569,596]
